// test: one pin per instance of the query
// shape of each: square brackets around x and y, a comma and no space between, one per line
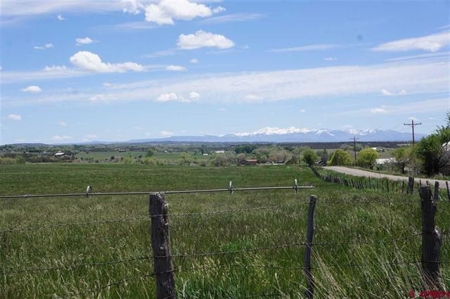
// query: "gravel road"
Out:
[363,173]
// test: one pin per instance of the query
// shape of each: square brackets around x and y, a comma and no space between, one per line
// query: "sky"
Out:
[76,71]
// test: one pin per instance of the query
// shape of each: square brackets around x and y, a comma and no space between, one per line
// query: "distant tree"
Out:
[340,158]
[240,158]
[434,150]
[150,153]
[403,156]
[309,157]
[367,158]
[324,156]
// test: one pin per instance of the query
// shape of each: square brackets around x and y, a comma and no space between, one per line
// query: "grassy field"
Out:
[224,246]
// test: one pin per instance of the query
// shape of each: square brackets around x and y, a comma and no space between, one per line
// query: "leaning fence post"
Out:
[431,241]
[162,258]
[448,191]
[309,238]
[410,185]
[436,190]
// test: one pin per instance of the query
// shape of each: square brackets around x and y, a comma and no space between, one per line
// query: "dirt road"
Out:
[363,173]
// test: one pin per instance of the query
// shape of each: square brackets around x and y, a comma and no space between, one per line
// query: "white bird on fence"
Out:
[88,190]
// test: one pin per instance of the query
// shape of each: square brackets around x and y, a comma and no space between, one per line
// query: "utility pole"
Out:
[354,146]
[412,125]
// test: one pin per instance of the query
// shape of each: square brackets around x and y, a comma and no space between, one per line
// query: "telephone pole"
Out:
[354,146]
[412,125]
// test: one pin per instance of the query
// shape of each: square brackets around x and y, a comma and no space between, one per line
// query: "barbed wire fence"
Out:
[384,184]
[163,269]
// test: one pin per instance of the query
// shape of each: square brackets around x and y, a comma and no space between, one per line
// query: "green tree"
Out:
[367,158]
[434,150]
[340,158]
[309,157]
[403,156]
[150,153]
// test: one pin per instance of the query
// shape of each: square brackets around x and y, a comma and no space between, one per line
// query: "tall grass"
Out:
[223,246]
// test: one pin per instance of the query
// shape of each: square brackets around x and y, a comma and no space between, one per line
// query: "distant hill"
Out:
[294,135]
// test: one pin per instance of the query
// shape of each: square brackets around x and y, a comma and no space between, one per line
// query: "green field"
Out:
[248,244]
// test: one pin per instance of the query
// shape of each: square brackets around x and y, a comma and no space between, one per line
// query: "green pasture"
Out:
[248,244]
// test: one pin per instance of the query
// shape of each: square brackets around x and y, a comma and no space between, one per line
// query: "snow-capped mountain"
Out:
[293,134]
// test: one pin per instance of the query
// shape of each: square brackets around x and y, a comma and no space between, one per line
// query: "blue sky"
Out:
[77,70]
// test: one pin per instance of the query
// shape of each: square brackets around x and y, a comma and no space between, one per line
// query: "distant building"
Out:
[249,162]
[59,154]
[220,152]
[380,162]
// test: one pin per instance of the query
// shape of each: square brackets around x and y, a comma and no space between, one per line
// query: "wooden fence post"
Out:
[309,293]
[436,191]
[448,191]
[431,241]
[162,258]
[410,185]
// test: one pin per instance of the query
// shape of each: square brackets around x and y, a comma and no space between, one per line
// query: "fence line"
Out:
[229,211]
[76,264]
[222,252]
[230,189]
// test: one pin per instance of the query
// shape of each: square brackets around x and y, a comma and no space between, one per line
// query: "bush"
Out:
[340,158]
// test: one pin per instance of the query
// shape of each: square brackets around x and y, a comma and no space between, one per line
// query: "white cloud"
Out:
[61,18]
[417,77]
[230,18]
[378,110]
[302,110]
[166,11]
[15,117]
[388,93]
[1,68]
[41,7]
[83,41]
[105,98]
[61,138]
[222,109]
[317,47]
[32,89]
[252,98]
[90,136]
[131,6]
[92,62]
[44,47]
[62,123]
[175,68]
[194,96]
[330,59]
[173,97]
[167,97]
[429,43]
[194,61]
[202,39]
[55,68]
[166,133]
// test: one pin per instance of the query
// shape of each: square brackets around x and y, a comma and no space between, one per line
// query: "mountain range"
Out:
[292,134]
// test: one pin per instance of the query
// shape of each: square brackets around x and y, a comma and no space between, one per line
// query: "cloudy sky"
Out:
[112,70]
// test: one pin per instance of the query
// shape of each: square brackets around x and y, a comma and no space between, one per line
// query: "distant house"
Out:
[59,154]
[220,152]
[380,162]
[249,162]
